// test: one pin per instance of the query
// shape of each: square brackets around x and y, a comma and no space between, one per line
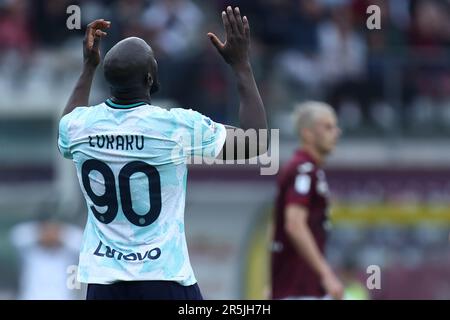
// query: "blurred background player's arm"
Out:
[297,229]
[91,59]
[235,52]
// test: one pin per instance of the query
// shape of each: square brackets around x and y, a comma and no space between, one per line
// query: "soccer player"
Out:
[130,158]
[299,268]
[46,248]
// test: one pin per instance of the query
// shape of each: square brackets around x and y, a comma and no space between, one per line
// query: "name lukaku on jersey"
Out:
[108,252]
[117,142]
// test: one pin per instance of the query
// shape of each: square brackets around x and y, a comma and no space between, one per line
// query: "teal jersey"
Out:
[131,162]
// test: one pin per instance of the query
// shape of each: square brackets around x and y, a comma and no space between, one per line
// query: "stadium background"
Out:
[389,177]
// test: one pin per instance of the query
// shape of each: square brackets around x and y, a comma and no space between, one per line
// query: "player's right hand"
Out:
[333,286]
[237,42]
[91,50]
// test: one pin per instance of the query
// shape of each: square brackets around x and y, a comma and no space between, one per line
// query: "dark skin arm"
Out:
[235,52]
[91,59]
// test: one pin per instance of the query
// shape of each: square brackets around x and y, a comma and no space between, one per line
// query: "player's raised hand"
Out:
[91,42]
[237,42]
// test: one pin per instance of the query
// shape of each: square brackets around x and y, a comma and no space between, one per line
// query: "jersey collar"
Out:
[115,105]
[303,153]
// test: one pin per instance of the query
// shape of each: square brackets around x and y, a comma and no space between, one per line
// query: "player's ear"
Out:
[154,87]
[149,79]
[306,134]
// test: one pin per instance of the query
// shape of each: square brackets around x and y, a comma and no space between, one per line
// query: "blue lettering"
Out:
[130,257]
[119,142]
[97,251]
[140,257]
[129,142]
[110,252]
[152,254]
[142,143]
[109,142]
[103,141]
[157,253]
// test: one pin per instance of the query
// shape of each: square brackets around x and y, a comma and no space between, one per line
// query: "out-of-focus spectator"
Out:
[46,249]
[49,18]
[173,25]
[427,78]
[429,29]
[342,50]
[15,33]
[307,49]
[342,63]
[299,59]
[126,18]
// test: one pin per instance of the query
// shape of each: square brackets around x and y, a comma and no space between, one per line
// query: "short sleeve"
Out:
[24,234]
[200,136]
[300,189]
[63,137]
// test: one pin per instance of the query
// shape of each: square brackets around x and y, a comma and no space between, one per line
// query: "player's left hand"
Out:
[91,42]
[236,46]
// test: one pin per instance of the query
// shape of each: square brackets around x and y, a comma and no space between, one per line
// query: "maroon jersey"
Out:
[303,183]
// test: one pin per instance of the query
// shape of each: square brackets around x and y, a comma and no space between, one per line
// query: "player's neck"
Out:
[313,153]
[130,97]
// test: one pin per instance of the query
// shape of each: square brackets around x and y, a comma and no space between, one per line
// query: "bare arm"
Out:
[251,111]
[296,227]
[234,51]
[81,92]
[91,59]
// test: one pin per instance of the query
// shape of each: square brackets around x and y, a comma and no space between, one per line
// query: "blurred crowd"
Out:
[322,49]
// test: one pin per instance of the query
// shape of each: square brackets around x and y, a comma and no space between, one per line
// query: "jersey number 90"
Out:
[109,198]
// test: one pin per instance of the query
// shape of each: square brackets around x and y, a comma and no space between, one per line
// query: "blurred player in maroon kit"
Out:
[299,268]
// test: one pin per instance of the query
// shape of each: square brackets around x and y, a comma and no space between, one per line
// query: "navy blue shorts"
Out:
[143,290]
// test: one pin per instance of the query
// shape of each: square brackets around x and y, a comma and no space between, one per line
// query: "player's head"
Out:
[131,66]
[49,234]
[49,227]
[316,125]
